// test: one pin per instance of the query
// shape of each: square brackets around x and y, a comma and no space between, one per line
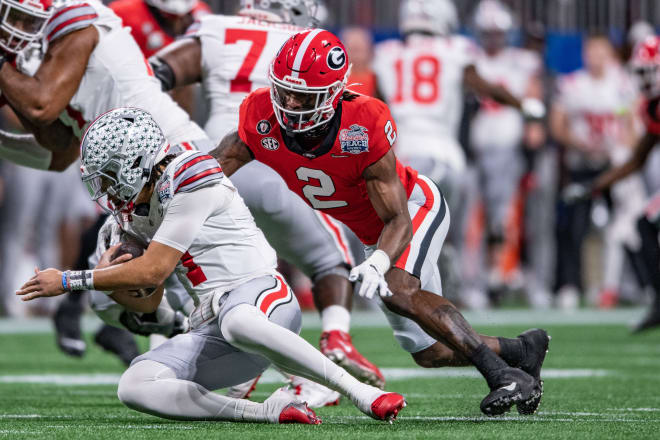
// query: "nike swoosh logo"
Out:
[510,387]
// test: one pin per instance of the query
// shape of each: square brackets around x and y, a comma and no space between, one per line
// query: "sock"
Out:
[511,351]
[153,388]
[488,364]
[247,328]
[335,318]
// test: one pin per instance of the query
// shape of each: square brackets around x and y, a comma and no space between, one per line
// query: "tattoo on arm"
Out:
[232,153]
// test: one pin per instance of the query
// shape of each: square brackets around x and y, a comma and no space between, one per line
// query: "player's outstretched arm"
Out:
[232,153]
[389,199]
[479,85]
[42,97]
[634,163]
[178,64]
[149,270]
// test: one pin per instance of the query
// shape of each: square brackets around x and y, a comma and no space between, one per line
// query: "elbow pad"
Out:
[163,72]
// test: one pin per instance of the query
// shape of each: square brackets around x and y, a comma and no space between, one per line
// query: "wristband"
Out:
[79,280]
[380,260]
[65,285]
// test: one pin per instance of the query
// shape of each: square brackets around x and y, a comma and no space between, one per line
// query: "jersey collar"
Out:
[326,145]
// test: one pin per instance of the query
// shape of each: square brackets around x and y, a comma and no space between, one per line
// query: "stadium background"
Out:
[602,383]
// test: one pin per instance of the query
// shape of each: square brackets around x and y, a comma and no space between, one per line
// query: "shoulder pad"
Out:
[194,170]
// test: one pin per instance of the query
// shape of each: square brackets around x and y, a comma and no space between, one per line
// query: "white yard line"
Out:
[271,376]
[370,319]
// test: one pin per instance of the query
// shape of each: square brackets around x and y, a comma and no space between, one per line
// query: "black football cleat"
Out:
[535,345]
[651,320]
[67,328]
[514,386]
[118,341]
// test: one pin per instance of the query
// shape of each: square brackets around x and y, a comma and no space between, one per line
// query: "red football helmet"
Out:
[645,63]
[22,22]
[308,77]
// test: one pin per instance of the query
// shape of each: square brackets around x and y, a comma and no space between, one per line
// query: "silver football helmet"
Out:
[118,153]
[303,13]
[174,7]
[437,17]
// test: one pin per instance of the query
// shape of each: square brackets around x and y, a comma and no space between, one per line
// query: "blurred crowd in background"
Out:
[515,240]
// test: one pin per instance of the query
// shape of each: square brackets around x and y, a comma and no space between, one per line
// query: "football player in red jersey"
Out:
[332,147]
[645,64]
[156,23]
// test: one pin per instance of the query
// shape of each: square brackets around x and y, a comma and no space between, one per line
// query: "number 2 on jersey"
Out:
[242,81]
[426,71]
[326,189]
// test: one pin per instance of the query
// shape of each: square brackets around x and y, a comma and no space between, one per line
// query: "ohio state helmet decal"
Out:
[336,58]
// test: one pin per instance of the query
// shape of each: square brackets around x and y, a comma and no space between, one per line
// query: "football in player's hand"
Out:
[136,250]
[128,247]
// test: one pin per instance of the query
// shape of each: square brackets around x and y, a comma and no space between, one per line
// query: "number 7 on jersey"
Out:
[258,39]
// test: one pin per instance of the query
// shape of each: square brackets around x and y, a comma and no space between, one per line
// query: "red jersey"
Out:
[330,178]
[146,30]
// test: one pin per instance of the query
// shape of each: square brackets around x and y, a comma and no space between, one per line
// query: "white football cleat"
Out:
[282,407]
[316,395]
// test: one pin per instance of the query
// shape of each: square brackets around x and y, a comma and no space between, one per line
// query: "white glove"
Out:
[532,108]
[370,275]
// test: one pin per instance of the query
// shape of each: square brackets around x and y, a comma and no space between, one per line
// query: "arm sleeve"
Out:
[187,212]
[68,19]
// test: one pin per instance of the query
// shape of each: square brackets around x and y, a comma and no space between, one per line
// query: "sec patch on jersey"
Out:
[270,143]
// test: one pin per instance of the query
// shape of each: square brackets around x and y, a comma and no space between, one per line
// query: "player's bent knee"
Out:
[437,355]
[404,288]
[135,382]
[237,325]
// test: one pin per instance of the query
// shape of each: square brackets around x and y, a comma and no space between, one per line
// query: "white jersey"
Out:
[117,74]
[496,125]
[236,56]
[222,246]
[594,107]
[422,81]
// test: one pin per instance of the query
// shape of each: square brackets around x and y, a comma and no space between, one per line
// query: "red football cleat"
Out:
[337,346]
[299,413]
[387,406]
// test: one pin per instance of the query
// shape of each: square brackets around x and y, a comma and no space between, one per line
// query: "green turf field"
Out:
[600,383]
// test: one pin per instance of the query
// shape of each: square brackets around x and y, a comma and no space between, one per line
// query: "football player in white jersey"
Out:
[422,80]
[497,134]
[594,121]
[91,64]
[197,226]
[230,56]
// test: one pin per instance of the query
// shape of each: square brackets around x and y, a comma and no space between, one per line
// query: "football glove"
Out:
[532,109]
[370,275]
